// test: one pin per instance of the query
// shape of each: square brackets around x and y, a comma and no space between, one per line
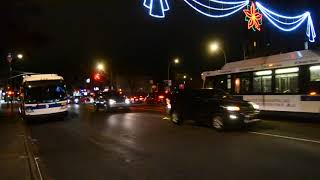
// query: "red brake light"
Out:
[161,97]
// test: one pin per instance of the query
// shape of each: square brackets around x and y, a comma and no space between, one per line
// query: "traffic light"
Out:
[97,77]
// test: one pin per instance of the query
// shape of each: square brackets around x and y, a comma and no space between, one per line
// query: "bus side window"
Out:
[242,83]
[237,85]
[262,81]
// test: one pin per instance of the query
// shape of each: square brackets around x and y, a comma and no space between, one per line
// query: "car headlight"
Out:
[112,101]
[76,100]
[233,108]
[255,106]
[127,101]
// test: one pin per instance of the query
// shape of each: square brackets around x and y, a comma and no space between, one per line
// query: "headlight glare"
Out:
[255,106]
[112,101]
[233,108]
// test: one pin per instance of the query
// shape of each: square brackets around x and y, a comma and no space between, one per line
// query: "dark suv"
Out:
[213,107]
[111,100]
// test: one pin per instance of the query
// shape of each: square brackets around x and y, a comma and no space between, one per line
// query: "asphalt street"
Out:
[143,144]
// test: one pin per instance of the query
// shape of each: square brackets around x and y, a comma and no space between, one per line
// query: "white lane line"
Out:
[38,168]
[286,137]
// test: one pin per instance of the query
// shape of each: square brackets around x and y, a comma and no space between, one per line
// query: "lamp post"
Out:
[175,61]
[10,59]
[214,47]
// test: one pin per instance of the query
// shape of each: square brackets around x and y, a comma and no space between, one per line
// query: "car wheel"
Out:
[176,118]
[107,109]
[217,122]
[96,108]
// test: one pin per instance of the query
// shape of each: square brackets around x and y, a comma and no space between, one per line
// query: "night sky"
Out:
[68,36]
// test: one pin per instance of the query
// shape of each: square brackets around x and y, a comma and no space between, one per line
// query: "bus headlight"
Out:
[112,101]
[232,108]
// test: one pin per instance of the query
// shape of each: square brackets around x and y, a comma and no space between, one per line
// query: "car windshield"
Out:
[44,91]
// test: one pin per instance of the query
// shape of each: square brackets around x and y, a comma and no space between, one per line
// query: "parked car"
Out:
[111,100]
[213,107]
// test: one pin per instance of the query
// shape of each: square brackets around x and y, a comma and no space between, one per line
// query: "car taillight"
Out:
[161,97]
[10,93]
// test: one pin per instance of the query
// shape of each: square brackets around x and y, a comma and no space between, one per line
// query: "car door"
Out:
[208,104]
[198,104]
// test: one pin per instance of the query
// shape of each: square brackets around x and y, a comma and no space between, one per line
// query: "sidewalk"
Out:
[13,157]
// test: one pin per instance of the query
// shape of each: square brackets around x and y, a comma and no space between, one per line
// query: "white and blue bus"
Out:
[284,83]
[43,95]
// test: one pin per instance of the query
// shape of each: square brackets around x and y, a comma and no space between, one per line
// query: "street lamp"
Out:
[100,67]
[175,61]
[20,56]
[214,47]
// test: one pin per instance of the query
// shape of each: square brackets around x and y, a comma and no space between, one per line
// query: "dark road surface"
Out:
[143,145]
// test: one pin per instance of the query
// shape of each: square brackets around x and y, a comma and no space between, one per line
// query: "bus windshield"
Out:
[44,91]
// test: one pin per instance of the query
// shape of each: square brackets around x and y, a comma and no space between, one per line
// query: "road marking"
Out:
[38,168]
[286,137]
[166,118]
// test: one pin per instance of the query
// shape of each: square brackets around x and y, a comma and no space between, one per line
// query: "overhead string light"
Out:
[254,13]
[157,8]
[289,23]
[216,8]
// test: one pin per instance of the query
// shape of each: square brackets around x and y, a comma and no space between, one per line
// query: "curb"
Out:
[32,160]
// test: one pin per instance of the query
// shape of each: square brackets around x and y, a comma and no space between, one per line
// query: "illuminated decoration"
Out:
[216,8]
[289,23]
[253,17]
[254,14]
[157,8]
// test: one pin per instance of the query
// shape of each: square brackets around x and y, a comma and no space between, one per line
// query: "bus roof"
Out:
[41,77]
[268,62]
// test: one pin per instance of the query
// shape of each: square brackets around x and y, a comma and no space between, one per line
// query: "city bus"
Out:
[283,83]
[43,95]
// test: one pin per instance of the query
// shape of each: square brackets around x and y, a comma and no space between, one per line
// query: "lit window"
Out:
[237,86]
[287,83]
[229,84]
[263,73]
[315,73]
[287,70]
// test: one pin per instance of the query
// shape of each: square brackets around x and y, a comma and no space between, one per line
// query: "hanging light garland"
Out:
[157,8]
[216,9]
[289,23]
[253,13]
